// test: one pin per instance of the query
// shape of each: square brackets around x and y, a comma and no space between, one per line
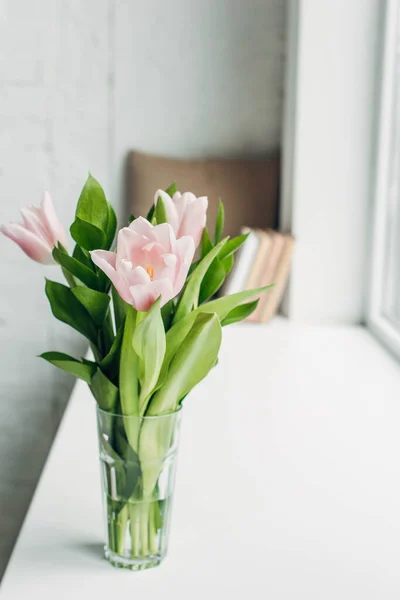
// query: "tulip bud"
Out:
[186,213]
[39,232]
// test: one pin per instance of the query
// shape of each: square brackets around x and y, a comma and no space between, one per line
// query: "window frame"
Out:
[379,323]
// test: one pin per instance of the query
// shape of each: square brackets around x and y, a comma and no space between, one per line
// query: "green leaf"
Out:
[129,380]
[149,345]
[219,224]
[87,235]
[160,213]
[120,308]
[67,308]
[205,243]
[111,227]
[83,257]
[88,362]
[227,263]
[191,363]
[111,360]
[220,306]
[105,392]
[128,373]
[156,438]
[95,222]
[92,205]
[232,245]
[131,466]
[212,281]
[70,365]
[191,291]
[76,268]
[150,214]
[172,189]
[240,312]
[131,219]
[167,313]
[193,266]
[96,303]
[104,282]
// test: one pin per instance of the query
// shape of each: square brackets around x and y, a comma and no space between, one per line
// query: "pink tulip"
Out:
[39,232]
[149,262]
[186,213]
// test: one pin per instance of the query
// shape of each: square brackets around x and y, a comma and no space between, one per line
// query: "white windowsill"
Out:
[288,481]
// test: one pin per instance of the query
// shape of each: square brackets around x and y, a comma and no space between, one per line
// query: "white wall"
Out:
[198,78]
[53,128]
[81,83]
[330,116]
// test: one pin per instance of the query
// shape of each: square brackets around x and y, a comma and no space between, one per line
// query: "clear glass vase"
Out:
[138,461]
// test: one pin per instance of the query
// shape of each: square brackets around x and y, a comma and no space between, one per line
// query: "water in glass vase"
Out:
[137,532]
[138,460]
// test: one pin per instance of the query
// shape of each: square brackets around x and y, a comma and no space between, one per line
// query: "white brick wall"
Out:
[81,82]
[53,128]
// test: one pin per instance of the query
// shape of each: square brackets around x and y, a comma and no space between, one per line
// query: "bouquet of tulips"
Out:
[146,309]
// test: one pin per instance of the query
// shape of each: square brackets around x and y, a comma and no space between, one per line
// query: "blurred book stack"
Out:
[264,258]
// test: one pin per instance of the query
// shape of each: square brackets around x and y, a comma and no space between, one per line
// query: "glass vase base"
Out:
[132,564]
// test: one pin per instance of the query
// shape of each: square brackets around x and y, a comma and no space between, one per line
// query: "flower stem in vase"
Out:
[120,530]
[134,525]
[144,528]
[153,527]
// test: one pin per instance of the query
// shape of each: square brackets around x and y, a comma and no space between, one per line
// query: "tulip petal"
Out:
[172,213]
[143,296]
[142,227]
[126,276]
[128,241]
[138,249]
[56,230]
[168,268]
[133,276]
[194,218]
[33,246]
[106,261]
[181,206]
[165,236]
[185,250]
[32,221]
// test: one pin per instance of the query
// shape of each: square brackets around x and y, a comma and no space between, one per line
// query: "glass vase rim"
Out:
[146,417]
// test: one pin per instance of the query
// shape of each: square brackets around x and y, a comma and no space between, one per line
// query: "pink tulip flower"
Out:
[39,232]
[186,213]
[149,262]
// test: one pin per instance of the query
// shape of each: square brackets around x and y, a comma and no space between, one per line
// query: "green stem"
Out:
[144,528]
[144,525]
[111,536]
[153,528]
[120,530]
[129,380]
[134,516]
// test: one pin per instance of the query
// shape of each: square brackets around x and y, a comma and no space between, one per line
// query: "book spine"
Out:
[269,273]
[282,275]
